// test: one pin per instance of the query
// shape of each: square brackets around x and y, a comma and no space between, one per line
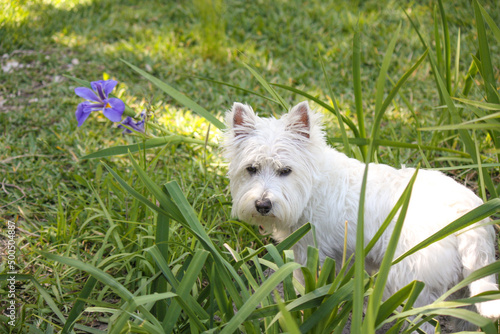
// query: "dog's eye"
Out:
[252,170]
[285,171]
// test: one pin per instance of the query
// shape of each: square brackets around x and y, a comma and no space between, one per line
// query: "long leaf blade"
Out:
[179,97]
[264,290]
[378,290]
[147,144]
[479,213]
[266,85]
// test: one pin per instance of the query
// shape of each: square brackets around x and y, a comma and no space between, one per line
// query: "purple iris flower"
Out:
[137,126]
[112,108]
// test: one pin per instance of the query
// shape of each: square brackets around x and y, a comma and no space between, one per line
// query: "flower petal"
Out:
[112,115]
[139,126]
[82,112]
[97,86]
[116,104]
[114,109]
[127,121]
[96,106]
[109,85]
[130,123]
[87,94]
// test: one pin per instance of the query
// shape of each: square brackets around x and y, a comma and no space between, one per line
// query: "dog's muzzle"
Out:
[263,206]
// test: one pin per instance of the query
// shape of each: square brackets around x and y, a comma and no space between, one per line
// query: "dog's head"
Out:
[272,164]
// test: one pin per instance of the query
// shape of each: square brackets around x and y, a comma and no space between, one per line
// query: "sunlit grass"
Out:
[63,4]
[76,208]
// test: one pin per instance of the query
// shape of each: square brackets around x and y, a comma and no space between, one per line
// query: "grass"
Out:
[75,208]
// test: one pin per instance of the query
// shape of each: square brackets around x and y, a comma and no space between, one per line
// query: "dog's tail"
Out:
[477,249]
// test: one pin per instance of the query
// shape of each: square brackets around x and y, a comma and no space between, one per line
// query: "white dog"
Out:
[283,174]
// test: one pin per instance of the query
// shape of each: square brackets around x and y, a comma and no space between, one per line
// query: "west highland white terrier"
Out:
[283,174]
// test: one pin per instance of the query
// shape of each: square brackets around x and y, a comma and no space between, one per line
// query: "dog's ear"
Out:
[298,119]
[241,119]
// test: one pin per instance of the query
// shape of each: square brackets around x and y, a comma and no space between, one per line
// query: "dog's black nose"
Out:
[263,206]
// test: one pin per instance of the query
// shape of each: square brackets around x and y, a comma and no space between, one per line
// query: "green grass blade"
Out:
[491,269]
[415,27]
[157,192]
[162,235]
[224,304]
[378,290]
[43,293]
[288,289]
[447,46]
[338,324]
[472,317]
[392,94]
[147,144]
[480,104]
[471,166]
[390,143]
[261,293]
[163,266]
[97,273]
[248,91]
[479,213]
[312,264]
[327,273]
[379,95]
[457,64]
[437,41]
[179,97]
[343,133]
[112,230]
[341,295]
[141,300]
[291,239]
[464,126]
[448,308]
[79,305]
[494,28]
[395,301]
[418,287]
[267,87]
[137,195]
[485,56]
[187,212]
[84,83]
[90,330]
[356,78]
[435,58]
[346,120]
[185,286]
[359,255]
[402,199]
[469,78]
[358,295]
[196,325]
[480,168]
[290,326]
[464,135]
[192,220]
[309,300]
[358,299]
[243,267]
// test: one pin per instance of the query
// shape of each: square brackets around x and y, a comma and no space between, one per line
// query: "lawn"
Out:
[86,242]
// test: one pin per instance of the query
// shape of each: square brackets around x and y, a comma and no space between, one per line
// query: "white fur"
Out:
[323,188]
